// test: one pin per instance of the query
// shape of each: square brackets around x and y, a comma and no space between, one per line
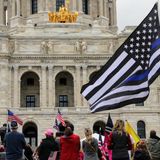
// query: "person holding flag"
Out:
[14,143]
[59,123]
[108,130]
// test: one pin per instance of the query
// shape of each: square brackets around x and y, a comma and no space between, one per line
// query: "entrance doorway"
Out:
[99,127]
[30,133]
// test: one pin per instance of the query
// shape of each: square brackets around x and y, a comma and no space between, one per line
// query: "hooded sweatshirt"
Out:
[154,147]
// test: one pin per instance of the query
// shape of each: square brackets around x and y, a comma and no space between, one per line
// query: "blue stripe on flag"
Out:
[156,44]
[138,77]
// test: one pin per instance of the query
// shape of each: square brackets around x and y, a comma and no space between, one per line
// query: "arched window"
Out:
[34,6]
[85,6]
[64,90]
[59,3]
[30,90]
[141,129]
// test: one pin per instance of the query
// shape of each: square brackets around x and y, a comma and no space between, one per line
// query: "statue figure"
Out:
[11,47]
[83,46]
[44,47]
[110,47]
[50,46]
[50,15]
[77,46]
[63,16]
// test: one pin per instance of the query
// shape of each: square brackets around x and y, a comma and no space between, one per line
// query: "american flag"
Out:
[13,117]
[60,118]
[126,77]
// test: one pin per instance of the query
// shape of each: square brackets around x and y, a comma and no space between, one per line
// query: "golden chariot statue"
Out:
[63,16]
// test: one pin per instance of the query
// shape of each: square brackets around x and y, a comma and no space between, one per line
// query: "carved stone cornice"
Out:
[60,57]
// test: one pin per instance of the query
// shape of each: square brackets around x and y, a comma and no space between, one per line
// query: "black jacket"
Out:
[47,145]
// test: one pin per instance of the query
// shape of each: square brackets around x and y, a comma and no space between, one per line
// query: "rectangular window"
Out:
[34,6]
[59,3]
[63,101]
[30,101]
[85,6]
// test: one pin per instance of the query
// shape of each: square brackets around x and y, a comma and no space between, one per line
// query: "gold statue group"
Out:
[63,16]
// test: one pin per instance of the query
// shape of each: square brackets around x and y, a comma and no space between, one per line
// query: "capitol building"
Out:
[48,51]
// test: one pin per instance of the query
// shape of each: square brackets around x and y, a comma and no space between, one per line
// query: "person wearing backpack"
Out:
[153,144]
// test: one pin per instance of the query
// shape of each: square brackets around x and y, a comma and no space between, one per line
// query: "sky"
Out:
[132,12]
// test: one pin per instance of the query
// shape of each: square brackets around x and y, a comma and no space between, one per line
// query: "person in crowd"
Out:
[153,144]
[69,144]
[141,151]
[119,142]
[3,132]
[90,146]
[47,146]
[57,139]
[14,143]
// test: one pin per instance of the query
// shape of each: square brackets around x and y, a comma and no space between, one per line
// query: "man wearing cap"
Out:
[14,143]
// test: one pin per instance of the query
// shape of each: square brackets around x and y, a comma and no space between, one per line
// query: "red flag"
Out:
[13,117]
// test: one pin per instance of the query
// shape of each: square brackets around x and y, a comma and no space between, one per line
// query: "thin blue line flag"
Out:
[126,77]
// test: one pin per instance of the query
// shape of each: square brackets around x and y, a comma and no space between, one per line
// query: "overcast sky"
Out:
[132,12]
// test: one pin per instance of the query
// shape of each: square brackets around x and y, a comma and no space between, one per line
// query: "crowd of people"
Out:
[68,146]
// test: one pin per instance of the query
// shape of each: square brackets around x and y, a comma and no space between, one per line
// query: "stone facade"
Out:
[45,62]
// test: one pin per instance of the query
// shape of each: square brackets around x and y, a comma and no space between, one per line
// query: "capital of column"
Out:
[43,67]
[50,67]
[15,67]
[77,66]
[84,67]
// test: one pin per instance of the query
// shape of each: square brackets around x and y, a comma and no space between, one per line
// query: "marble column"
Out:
[50,86]
[85,104]
[15,90]
[114,13]
[48,5]
[13,8]
[74,5]
[18,7]
[101,7]
[43,87]
[1,12]
[105,8]
[78,86]
[10,86]
[40,6]
[80,6]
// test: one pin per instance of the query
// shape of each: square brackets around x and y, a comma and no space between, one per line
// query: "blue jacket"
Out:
[14,143]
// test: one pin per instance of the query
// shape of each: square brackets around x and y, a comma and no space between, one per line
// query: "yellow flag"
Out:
[67,1]
[132,133]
